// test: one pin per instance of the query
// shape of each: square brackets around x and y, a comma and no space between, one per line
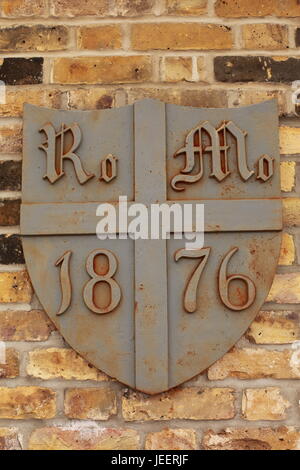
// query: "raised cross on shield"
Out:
[151,313]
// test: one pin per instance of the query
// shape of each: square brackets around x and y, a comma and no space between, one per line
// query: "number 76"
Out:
[190,295]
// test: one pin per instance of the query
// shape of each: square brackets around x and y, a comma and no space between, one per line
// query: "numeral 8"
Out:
[88,292]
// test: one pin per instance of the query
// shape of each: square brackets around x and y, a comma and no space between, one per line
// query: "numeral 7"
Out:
[190,302]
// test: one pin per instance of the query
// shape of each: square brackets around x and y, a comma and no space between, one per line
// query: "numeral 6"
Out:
[225,280]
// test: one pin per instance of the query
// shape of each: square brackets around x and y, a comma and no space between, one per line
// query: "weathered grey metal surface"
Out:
[103,132]
[198,339]
[261,124]
[165,325]
[237,215]
[151,310]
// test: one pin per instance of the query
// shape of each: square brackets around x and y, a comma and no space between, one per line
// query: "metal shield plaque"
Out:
[151,313]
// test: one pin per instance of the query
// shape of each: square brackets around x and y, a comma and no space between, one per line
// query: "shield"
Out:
[151,313]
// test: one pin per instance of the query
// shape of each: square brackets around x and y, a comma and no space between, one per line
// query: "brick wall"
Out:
[88,54]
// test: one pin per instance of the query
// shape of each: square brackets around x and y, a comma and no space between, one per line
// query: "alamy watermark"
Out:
[152,221]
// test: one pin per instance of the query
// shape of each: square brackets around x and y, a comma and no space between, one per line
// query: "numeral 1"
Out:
[65,282]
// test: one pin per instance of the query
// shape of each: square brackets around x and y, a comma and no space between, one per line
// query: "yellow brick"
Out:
[83,437]
[203,69]
[291,211]
[244,8]
[287,252]
[287,176]
[9,439]
[289,140]
[182,37]
[188,403]
[187,7]
[256,364]
[33,38]
[11,139]
[270,327]
[16,97]
[16,8]
[10,368]
[249,96]
[265,36]
[90,403]
[27,403]
[100,37]
[133,7]
[264,404]
[206,98]
[103,69]
[177,69]
[24,326]
[61,363]
[285,289]
[73,8]
[15,287]
[283,438]
[91,98]
[171,439]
